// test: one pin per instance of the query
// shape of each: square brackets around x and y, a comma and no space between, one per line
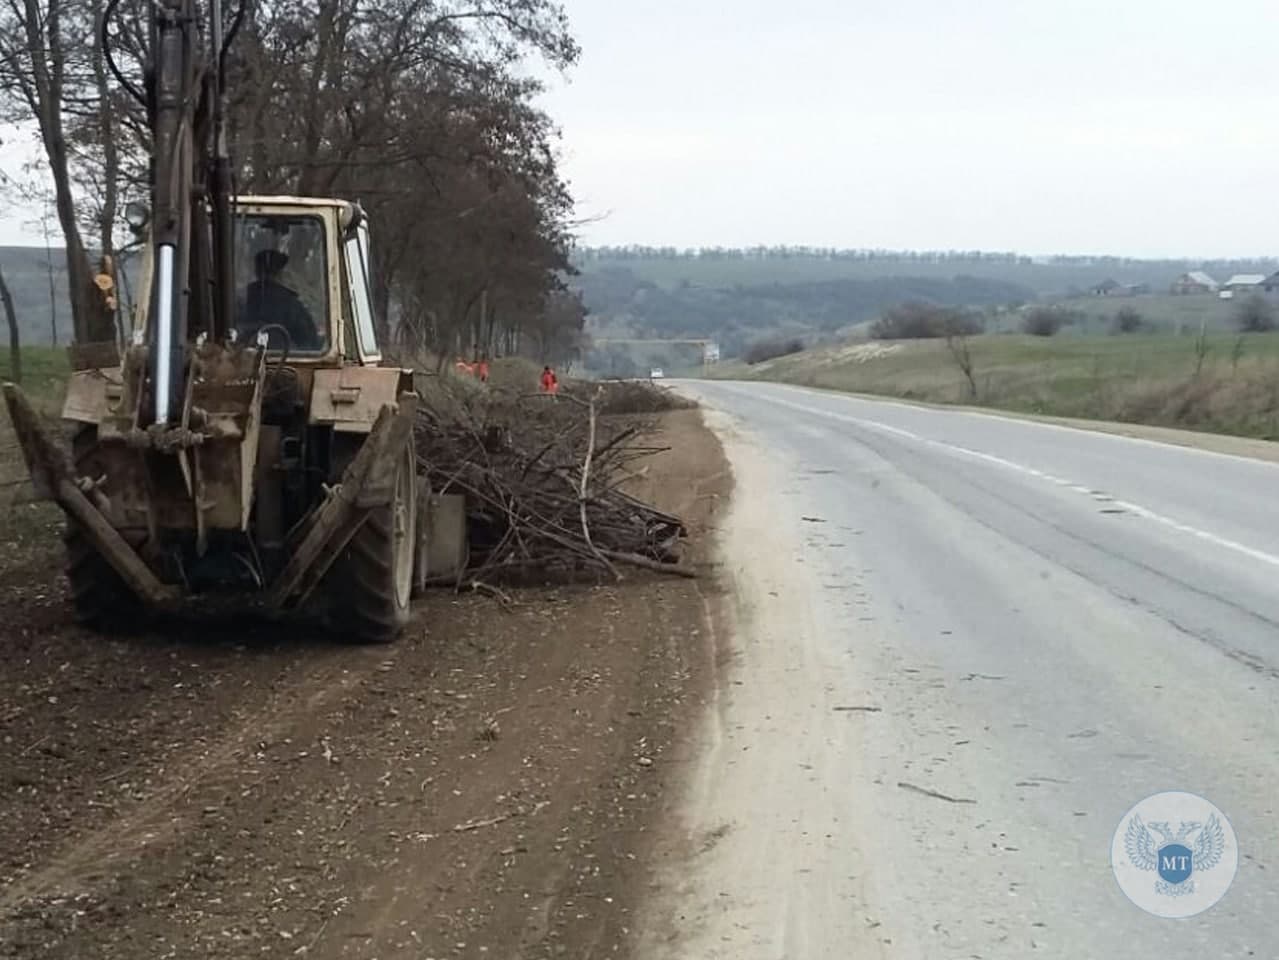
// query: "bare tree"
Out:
[7,189]
[42,46]
[957,343]
[1202,348]
[15,336]
[1236,354]
[420,109]
[51,272]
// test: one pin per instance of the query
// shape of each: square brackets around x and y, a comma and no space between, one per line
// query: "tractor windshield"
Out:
[281,280]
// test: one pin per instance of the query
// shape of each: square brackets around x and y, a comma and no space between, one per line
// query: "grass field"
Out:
[29,529]
[1155,379]
[44,378]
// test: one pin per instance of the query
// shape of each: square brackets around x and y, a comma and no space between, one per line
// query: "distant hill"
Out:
[620,302]
[26,270]
[1048,277]
[742,296]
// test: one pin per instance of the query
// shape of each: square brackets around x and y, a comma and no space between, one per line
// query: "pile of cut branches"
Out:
[628,396]
[542,478]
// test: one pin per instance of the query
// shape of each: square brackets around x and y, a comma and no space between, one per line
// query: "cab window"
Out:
[282,281]
[358,273]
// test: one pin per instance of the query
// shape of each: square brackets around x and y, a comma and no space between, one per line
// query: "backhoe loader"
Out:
[245,438]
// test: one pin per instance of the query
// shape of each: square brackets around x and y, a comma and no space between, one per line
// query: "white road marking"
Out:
[1133,508]
[1009,418]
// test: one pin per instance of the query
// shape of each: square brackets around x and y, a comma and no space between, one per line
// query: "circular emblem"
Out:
[1174,854]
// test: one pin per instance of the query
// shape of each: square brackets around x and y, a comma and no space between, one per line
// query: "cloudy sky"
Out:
[1143,127]
[1129,126]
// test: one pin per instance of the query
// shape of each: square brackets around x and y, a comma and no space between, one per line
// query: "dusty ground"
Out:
[487,787]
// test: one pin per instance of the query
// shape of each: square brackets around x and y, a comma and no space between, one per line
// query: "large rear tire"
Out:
[100,599]
[375,571]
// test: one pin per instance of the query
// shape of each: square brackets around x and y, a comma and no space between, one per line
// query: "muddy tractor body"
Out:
[246,437]
[284,464]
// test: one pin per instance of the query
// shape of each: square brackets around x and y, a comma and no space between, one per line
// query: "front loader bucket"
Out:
[53,479]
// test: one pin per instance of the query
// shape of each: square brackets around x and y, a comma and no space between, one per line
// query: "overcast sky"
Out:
[1131,126]
[1142,127]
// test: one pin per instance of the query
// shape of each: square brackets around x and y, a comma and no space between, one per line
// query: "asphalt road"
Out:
[965,646]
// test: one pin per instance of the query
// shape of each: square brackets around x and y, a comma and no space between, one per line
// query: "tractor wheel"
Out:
[422,533]
[375,572]
[100,598]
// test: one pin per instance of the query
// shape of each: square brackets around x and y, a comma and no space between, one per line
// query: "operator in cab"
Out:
[268,301]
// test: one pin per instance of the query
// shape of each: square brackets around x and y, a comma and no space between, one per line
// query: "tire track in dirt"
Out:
[157,820]
[491,786]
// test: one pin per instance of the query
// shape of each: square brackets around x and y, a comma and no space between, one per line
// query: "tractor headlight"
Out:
[136,214]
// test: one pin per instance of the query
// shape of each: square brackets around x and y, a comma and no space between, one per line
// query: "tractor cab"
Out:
[301,273]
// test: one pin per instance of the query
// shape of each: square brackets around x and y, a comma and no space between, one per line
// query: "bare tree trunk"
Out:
[43,90]
[110,149]
[490,331]
[958,346]
[124,302]
[15,344]
[1202,347]
[53,287]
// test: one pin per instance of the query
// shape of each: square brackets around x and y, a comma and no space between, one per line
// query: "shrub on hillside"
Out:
[1047,321]
[1128,320]
[919,321]
[772,349]
[1255,315]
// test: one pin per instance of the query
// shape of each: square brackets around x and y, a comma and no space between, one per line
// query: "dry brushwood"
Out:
[629,396]
[542,475]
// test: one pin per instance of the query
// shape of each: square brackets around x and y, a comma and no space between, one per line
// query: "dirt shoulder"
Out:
[487,787]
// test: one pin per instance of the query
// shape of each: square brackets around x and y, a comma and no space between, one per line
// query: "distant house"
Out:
[1270,286]
[1112,288]
[1196,281]
[1242,283]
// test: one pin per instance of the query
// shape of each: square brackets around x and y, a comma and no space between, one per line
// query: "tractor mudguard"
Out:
[369,481]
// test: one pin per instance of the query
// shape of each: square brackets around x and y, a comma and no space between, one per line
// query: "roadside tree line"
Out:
[419,109]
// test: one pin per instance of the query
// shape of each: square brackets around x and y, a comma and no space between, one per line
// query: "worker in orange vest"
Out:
[549,382]
[482,369]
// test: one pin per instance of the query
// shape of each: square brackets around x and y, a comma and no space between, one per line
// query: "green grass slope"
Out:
[1157,379]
